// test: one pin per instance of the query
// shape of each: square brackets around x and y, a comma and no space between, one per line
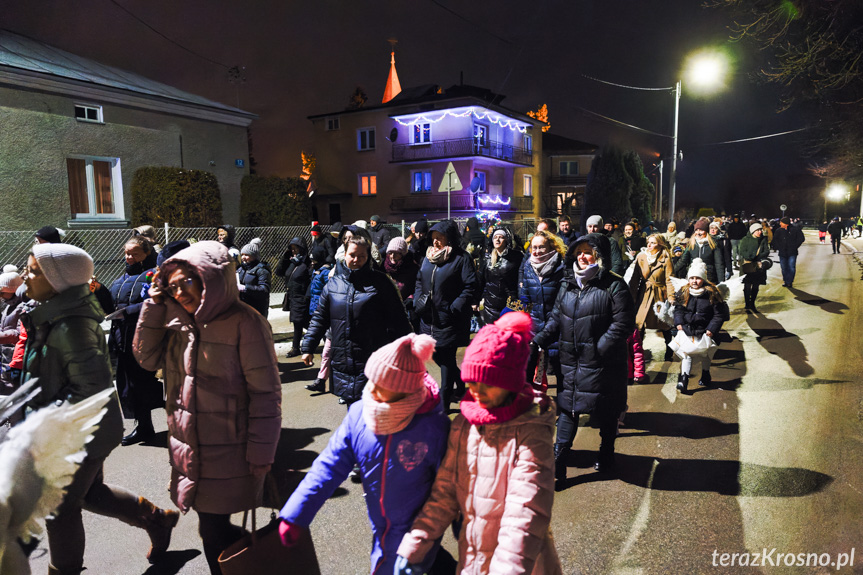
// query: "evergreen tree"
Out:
[641,196]
[609,186]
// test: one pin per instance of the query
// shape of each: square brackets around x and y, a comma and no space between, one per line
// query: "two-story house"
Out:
[74,131]
[391,159]
[565,165]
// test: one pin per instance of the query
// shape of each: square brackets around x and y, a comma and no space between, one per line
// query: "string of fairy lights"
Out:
[478,113]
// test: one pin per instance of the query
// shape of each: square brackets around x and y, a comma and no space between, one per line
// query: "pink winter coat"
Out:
[501,478]
[222,384]
[635,355]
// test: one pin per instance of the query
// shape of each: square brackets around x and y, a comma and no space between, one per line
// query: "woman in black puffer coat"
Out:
[362,308]
[443,300]
[139,390]
[702,246]
[294,267]
[499,274]
[592,318]
[254,278]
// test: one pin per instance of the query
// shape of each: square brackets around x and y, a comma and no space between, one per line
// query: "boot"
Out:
[142,433]
[705,380]
[318,386]
[666,335]
[54,571]
[295,352]
[682,382]
[159,523]
[605,461]
[560,455]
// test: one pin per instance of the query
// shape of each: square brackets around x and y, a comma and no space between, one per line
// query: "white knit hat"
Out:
[400,366]
[697,269]
[10,268]
[755,227]
[9,282]
[594,221]
[64,265]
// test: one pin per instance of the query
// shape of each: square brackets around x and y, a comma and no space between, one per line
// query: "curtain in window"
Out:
[102,183]
[77,170]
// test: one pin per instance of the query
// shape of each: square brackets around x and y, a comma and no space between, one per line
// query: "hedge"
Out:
[274,201]
[183,198]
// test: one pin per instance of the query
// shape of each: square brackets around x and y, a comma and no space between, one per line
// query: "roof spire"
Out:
[393,85]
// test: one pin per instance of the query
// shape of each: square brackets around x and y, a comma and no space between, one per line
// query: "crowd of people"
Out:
[558,303]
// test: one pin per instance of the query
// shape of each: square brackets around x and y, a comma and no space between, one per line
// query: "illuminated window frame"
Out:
[421,181]
[367,184]
[366,139]
[528,185]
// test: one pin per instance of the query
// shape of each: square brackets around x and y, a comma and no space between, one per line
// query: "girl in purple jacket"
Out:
[397,434]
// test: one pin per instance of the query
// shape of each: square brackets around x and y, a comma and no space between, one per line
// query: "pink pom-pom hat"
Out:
[400,366]
[499,353]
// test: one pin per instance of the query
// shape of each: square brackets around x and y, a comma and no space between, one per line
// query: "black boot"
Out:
[293,353]
[666,335]
[142,433]
[605,461]
[682,382]
[560,455]
[319,386]
[705,380]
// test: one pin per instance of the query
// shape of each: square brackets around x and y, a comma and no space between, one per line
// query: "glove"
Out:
[289,533]
[402,567]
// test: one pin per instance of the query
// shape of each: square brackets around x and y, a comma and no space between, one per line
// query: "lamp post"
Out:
[672,179]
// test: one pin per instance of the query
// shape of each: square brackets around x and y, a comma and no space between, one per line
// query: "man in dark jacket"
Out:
[787,239]
[325,241]
[565,231]
[736,231]
[381,236]
[834,228]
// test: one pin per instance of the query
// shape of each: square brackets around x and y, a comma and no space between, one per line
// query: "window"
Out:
[332,123]
[569,168]
[368,184]
[528,185]
[95,187]
[480,135]
[421,134]
[366,139]
[84,113]
[481,176]
[421,181]
[528,143]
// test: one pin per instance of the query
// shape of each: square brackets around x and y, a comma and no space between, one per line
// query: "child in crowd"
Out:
[698,310]
[498,472]
[320,274]
[397,435]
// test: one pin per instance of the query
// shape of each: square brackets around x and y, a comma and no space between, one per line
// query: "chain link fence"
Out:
[105,246]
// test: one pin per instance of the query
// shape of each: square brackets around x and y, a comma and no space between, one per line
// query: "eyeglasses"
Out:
[184,285]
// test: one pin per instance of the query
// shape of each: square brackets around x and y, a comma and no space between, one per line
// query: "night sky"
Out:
[307,58]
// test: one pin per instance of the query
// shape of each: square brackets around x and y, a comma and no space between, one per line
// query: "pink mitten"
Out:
[289,533]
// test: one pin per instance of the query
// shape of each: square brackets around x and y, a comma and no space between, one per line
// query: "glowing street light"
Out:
[835,192]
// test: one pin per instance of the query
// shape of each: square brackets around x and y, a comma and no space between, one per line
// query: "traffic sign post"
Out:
[783,207]
[449,184]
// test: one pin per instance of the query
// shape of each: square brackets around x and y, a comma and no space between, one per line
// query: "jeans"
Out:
[735,257]
[835,241]
[789,269]
[450,376]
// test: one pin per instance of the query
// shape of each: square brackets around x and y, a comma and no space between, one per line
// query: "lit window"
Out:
[482,179]
[368,184]
[421,181]
[95,187]
[421,134]
[569,168]
[86,113]
[332,124]
[366,139]
[528,185]
[480,135]
[528,143]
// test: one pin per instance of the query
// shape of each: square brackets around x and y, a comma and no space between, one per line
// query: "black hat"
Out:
[785,221]
[170,250]
[48,233]
[375,218]
[336,228]
[422,226]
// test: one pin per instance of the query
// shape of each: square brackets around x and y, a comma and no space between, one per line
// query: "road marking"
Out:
[639,525]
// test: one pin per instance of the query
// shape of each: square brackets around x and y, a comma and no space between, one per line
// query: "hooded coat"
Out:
[499,280]
[591,325]
[9,331]
[364,312]
[297,273]
[224,396]
[445,292]
[255,276]
[233,250]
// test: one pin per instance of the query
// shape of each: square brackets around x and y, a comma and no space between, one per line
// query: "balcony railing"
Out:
[458,203]
[461,148]
[567,180]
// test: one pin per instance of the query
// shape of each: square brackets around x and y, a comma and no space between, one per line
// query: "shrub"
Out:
[183,198]
[274,201]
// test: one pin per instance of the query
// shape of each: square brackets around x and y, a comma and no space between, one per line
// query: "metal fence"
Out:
[105,246]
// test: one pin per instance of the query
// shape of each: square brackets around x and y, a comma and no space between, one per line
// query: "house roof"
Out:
[552,143]
[23,53]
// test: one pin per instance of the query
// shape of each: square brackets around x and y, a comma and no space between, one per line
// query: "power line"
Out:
[619,123]
[472,23]
[754,138]
[626,86]
[174,42]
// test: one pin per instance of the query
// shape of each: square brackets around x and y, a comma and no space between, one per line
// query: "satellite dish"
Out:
[474,184]
[394,134]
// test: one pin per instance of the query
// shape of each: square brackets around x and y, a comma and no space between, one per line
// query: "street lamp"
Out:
[835,192]
[705,72]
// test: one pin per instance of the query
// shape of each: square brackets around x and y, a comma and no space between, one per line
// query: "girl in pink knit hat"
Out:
[397,435]
[498,472]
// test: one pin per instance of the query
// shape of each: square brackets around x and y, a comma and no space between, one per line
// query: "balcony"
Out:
[567,180]
[462,148]
[436,202]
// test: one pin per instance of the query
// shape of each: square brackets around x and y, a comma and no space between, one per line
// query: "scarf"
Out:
[652,257]
[438,257]
[544,265]
[479,415]
[388,418]
[696,292]
[701,241]
[582,276]
[392,268]
[135,269]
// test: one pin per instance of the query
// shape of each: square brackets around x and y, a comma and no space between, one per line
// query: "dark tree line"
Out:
[617,187]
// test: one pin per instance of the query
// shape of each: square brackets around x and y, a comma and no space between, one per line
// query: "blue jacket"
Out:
[539,294]
[319,280]
[397,470]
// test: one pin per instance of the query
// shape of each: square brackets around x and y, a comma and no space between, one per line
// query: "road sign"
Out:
[783,207]
[449,183]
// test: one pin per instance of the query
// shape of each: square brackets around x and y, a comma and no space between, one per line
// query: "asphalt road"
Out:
[769,459]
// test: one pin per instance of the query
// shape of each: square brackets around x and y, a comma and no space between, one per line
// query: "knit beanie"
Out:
[786,221]
[171,249]
[754,227]
[701,225]
[336,229]
[10,268]
[697,269]
[400,366]
[9,282]
[715,225]
[375,218]
[64,265]
[398,244]
[361,224]
[252,249]
[595,221]
[498,354]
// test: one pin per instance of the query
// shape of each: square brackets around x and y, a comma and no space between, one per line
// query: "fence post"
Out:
[167,239]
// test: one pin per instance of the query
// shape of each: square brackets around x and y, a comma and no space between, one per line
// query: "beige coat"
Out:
[650,284]
[222,385]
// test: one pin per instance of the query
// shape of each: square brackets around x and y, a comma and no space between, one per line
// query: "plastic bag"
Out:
[683,345]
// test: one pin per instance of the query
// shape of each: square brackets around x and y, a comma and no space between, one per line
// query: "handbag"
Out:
[261,551]
[748,268]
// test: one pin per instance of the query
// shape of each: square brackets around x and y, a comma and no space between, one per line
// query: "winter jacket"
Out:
[316,287]
[224,396]
[635,355]
[633,243]
[397,470]
[500,478]
[233,250]
[648,284]
[445,293]
[67,351]
[711,256]
[787,241]
[700,313]
[128,293]
[381,236]
[500,281]
[539,294]
[737,230]
[329,246]
[568,238]
[752,249]
[834,228]
[591,324]
[9,327]
[723,245]
[296,271]
[363,310]
[255,276]
[617,265]
[404,274]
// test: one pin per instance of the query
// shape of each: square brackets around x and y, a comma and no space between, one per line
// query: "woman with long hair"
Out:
[702,246]
[651,283]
